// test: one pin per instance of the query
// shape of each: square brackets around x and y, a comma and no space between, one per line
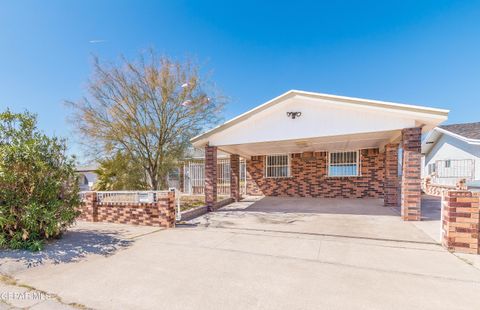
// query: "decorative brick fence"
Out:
[156,209]
[440,190]
[461,221]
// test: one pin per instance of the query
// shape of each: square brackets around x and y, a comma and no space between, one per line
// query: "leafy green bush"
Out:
[38,186]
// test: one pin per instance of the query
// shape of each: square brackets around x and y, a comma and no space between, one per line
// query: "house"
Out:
[452,153]
[87,175]
[304,144]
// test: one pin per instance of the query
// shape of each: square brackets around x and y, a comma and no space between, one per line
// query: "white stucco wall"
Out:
[449,148]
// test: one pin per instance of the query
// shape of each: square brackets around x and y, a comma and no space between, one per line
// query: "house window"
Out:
[448,163]
[431,169]
[343,164]
[277,166]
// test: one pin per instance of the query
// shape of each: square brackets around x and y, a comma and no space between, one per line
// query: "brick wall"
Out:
[441,190]
[411,174]
[461,221]
[438,190]
[160,213]
[309,177]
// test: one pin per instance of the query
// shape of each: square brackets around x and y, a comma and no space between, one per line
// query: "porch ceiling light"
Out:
[302,143]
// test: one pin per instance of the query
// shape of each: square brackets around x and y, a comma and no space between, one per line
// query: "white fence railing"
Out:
[127,196]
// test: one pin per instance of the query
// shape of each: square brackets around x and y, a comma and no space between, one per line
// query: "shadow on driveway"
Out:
[72,246]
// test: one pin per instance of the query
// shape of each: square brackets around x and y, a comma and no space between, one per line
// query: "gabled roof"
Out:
[439,114]
[467,130]
[468,133]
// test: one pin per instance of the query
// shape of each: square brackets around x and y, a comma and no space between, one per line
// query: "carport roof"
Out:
[351,100]
[323,118]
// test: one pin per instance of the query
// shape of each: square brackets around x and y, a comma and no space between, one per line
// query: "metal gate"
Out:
[194,177]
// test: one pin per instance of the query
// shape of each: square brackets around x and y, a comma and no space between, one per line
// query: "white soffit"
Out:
[332,143]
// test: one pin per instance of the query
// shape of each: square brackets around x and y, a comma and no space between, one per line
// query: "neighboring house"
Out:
[304,144]
[452,152]
[87,176]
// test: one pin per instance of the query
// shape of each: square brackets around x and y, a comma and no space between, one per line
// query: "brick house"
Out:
[304,144]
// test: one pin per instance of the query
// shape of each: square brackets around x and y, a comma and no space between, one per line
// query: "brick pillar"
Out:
[88,208]
[166,210]
[210,176]
[391,175]
[461,222]
[411,174]
[235,177]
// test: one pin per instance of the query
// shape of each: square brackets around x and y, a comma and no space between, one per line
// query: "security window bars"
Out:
[277,166]
[343,164]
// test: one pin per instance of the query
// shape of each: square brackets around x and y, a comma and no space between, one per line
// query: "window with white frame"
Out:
[343,164]
[277,166]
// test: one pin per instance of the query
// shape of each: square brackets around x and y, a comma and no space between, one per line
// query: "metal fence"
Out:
[448,172]
[194,177]
[129,196]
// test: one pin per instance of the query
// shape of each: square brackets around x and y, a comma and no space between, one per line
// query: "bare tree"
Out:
[148,108]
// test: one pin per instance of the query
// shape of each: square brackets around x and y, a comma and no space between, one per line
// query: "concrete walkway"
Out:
[230,260]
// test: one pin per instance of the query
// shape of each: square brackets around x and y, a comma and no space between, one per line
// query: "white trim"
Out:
[465,139]
[430,112]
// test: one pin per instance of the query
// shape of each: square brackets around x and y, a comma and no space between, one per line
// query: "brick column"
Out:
[166,210]
[235,177]
[391,175]
[210,176]
[461,222]
[88,208]
[411,174]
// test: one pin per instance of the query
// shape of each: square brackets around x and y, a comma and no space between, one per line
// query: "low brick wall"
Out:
[199,211]
[160,213]
[461,221]
[440,190]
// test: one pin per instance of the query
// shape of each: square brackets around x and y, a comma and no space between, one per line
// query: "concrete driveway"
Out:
[249,256]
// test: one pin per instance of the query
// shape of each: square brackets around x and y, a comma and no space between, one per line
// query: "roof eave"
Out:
[435,113]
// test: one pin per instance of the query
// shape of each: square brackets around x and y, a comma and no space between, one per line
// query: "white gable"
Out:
[327,122]
[319,118]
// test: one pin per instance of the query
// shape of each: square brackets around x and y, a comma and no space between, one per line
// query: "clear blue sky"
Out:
[418,52]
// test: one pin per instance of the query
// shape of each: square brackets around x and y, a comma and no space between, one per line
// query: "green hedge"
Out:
[38,186]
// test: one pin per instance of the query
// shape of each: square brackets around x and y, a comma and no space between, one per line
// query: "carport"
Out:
[338,149]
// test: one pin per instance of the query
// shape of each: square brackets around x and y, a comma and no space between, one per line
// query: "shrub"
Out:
[38,186]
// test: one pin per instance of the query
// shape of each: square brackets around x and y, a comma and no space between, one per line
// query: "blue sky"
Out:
[417,52]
